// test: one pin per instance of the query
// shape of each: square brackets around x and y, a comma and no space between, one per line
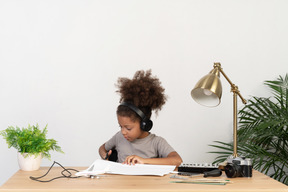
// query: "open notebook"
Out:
[102,166]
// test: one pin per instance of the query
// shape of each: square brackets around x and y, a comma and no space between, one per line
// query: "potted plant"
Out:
[263,132]
[31,144]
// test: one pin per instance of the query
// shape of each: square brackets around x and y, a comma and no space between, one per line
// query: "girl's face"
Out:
[131,129]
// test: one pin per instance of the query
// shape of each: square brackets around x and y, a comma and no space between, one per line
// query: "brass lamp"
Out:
[208,92]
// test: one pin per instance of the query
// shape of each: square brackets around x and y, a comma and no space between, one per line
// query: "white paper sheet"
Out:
[101,166]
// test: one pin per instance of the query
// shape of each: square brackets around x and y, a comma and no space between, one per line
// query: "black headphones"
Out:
[145,124]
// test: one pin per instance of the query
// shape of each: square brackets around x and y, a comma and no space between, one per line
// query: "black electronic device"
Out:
[197,167]
[213,173]
[145,124]
[239,167]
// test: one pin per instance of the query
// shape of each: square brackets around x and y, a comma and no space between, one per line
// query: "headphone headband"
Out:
[135,109]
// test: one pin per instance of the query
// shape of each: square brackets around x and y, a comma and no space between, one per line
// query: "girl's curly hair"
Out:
[143,90]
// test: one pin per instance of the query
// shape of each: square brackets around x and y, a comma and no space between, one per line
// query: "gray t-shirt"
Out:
[151,146]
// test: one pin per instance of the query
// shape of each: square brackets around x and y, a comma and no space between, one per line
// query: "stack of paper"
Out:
[103,166]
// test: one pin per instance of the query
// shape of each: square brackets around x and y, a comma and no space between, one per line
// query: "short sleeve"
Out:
[111,143]
[163,147]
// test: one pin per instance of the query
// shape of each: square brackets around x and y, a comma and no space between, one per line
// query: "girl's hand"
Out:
[108,155]
[133,159]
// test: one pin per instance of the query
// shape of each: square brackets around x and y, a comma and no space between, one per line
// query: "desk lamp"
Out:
[208,92]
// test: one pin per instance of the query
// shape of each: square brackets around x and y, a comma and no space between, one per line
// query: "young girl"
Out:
[134,143]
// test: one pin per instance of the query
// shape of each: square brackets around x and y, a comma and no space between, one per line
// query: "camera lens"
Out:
[232,170]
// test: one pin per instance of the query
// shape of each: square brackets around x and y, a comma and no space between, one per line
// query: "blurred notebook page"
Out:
[101,166]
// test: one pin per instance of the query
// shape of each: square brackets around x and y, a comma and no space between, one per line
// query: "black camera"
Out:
[238,167]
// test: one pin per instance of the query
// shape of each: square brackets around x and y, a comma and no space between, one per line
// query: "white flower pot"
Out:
[29,162]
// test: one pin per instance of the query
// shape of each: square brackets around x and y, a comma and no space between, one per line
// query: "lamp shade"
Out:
[208,90]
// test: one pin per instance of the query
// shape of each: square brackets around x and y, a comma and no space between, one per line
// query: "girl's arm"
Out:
[103,152]
[172,159]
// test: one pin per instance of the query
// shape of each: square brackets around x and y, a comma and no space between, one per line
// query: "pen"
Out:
[206,183]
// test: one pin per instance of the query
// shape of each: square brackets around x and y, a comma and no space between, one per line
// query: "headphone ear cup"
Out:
[146,125]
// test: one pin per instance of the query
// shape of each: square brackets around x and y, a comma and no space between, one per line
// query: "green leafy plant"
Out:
[263,132]
[30,140]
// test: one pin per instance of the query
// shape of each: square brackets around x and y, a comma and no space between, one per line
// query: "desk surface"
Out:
[20,181]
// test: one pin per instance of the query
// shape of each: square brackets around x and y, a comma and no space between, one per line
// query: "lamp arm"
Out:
[236,92]
[234,88]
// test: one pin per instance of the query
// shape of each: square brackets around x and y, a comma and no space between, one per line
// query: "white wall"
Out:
[60,60]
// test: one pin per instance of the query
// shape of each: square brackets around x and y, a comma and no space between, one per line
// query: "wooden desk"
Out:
[20,181]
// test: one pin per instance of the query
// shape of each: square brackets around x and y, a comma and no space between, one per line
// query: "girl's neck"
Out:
[143,135]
